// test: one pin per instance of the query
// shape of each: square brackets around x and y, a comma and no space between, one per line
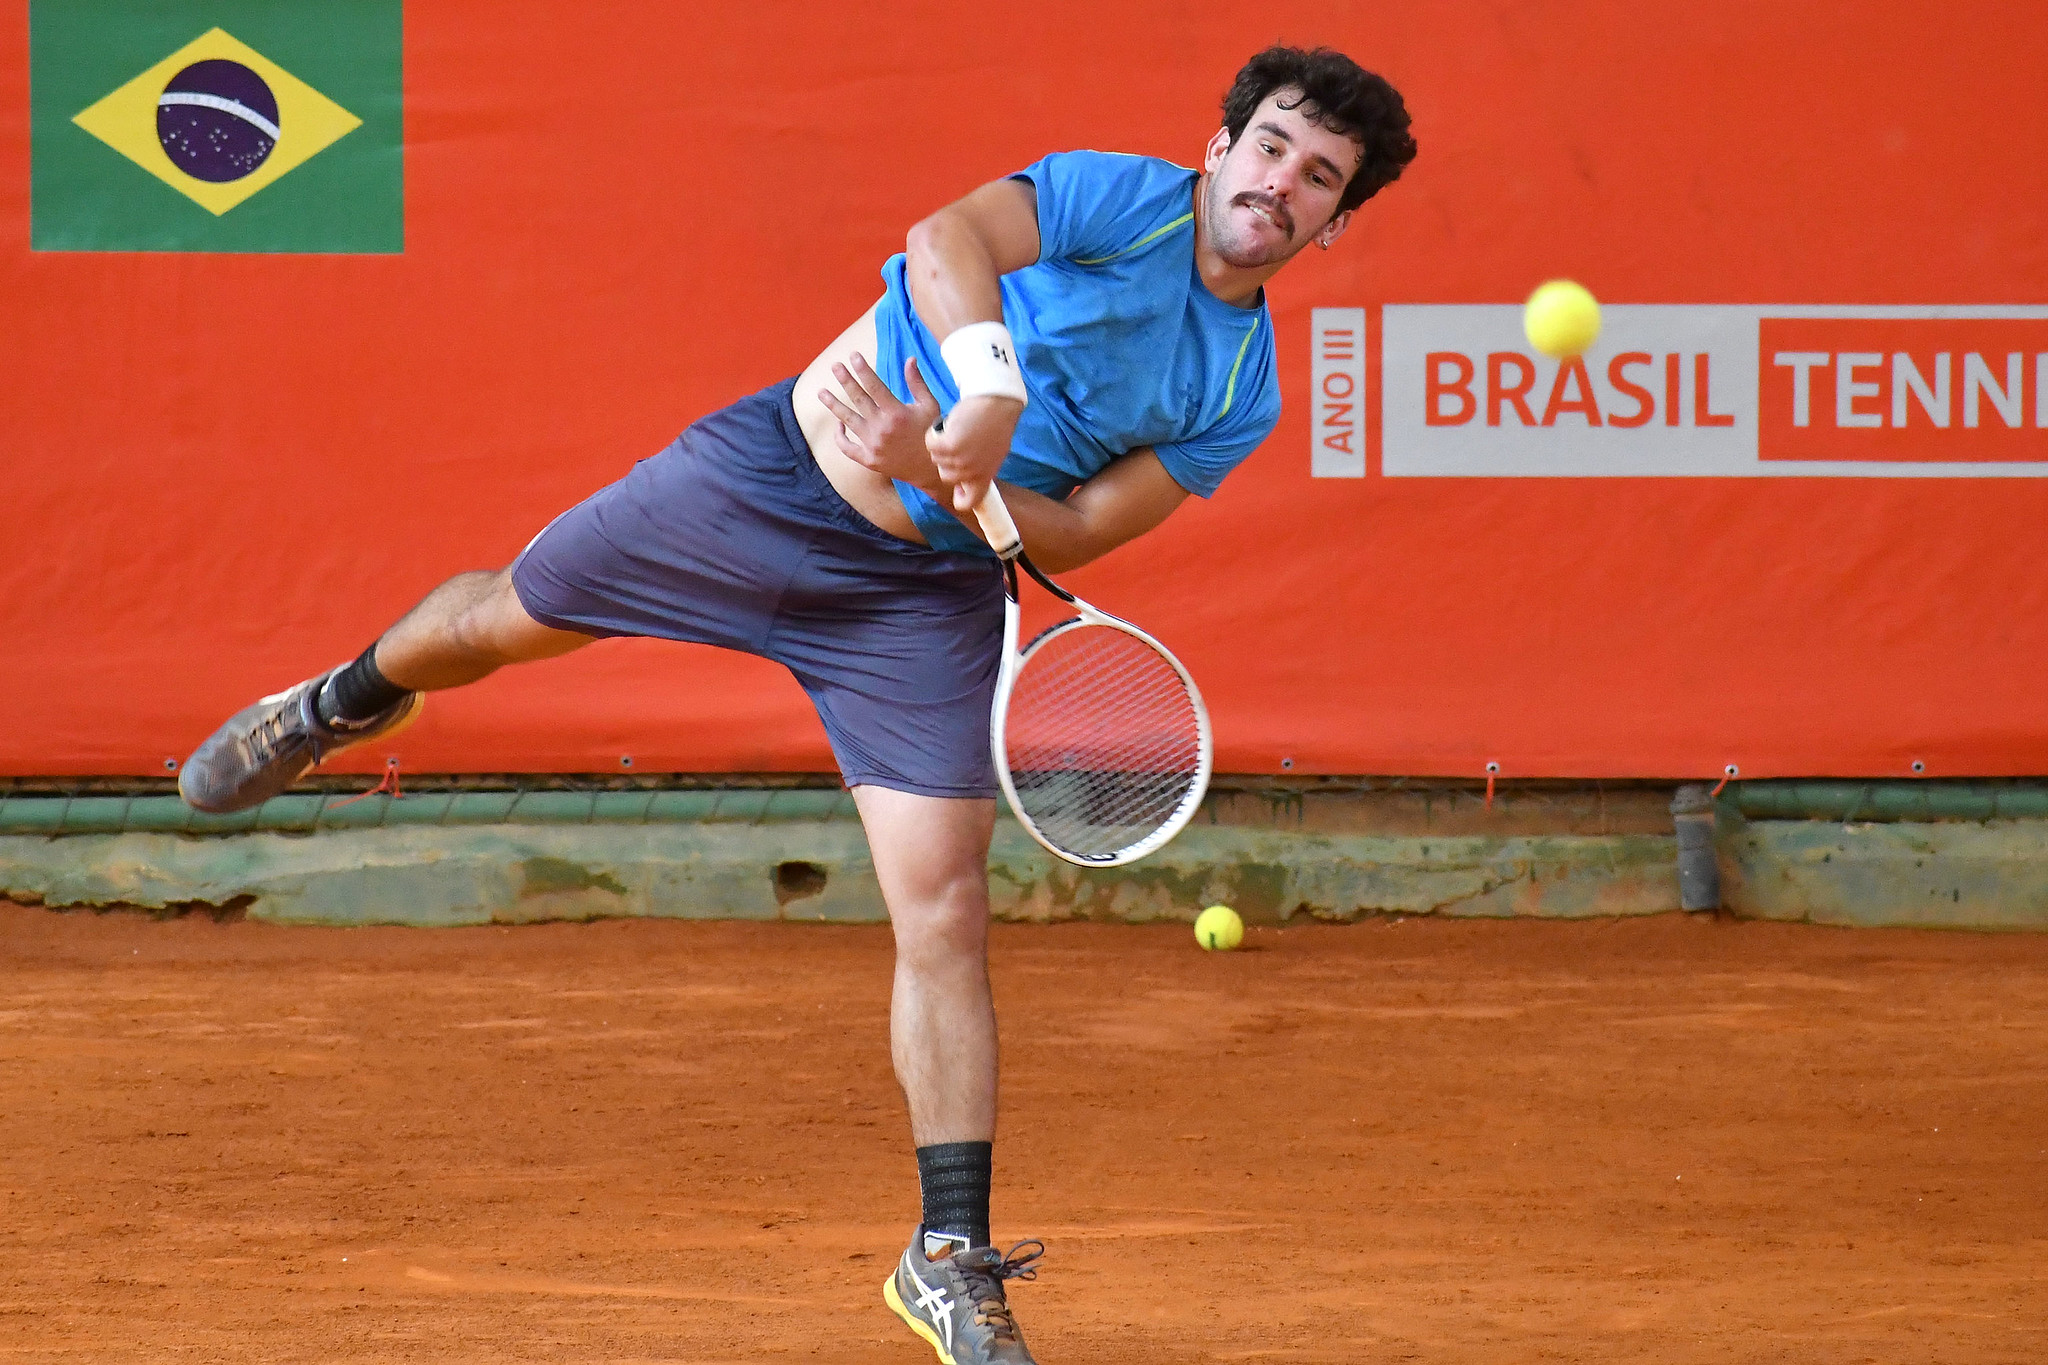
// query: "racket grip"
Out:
[997,525]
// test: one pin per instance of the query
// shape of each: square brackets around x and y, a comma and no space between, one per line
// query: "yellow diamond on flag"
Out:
[217,121]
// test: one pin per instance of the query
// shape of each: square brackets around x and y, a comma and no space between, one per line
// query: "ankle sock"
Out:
[955,1178]
[359,693]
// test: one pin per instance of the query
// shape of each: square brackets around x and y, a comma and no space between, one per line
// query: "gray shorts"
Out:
[733,536]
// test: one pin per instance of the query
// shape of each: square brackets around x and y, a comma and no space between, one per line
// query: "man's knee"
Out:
[495,623]
[931,854]
[949,923]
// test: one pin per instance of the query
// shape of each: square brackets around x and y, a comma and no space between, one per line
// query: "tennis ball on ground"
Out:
[1219,928]
[1561,319]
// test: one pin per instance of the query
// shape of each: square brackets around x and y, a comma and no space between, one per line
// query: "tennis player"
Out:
[1094,331]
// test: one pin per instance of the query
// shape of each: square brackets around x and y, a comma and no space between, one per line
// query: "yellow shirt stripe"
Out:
[1146,240]
[1230,389]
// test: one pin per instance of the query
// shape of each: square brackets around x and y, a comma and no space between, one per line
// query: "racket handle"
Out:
[997,526]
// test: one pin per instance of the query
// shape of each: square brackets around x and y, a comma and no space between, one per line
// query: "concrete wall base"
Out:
[1331,855]
[1952,875]
[819,870]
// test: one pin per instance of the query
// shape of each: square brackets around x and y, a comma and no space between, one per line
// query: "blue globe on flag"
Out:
[217,120]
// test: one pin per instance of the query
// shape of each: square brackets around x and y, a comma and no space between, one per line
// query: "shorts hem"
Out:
[898,784]
[521,591]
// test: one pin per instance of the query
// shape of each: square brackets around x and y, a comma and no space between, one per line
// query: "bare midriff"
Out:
[868,493]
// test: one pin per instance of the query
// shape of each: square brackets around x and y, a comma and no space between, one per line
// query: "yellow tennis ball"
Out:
[1561,319]
[1219,928]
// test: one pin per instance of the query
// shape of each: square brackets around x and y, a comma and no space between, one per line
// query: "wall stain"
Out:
[544,876]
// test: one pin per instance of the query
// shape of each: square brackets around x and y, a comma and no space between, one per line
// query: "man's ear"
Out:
[1218,145]
[1333,229]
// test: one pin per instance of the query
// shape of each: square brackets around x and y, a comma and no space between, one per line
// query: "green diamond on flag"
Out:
[216,125]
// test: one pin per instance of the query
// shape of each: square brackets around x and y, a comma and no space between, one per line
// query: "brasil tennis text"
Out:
[1688,390]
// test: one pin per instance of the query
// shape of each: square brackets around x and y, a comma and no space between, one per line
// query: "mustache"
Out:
[1273,207]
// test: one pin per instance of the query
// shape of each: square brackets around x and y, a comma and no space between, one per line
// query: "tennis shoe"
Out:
[957,1304]
[266,747]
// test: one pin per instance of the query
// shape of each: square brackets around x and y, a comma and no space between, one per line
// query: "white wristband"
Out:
[983,360]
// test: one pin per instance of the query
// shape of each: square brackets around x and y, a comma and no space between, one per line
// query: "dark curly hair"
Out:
[1336,93]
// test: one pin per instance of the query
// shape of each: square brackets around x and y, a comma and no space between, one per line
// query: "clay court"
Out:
[1665,1140]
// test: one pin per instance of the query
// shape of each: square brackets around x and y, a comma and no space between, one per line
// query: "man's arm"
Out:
[1125,500]
[957,255]
[954,262]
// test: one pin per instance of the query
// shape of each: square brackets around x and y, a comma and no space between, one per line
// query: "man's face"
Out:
[1276,189]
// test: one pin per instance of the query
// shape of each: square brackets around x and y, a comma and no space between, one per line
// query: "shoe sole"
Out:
[910,1319]
[399,727]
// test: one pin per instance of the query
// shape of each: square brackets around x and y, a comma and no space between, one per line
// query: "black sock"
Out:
[955,1178]
[359,692]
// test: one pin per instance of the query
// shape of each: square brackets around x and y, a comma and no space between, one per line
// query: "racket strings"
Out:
[1102,739]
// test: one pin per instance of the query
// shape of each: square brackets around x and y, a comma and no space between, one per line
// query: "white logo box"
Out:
[1680,344]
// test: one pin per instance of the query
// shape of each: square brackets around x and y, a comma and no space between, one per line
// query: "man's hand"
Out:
[881,432]
[972,445]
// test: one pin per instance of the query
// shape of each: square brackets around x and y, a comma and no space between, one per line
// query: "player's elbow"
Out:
[930,236]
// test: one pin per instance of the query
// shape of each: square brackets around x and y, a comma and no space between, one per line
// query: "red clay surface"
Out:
[1650,1141]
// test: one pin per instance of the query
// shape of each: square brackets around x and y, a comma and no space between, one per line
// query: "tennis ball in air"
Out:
[1218,928]
[1561,318]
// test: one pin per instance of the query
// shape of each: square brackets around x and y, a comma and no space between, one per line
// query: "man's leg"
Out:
[931,857]
[468,627]
[464,630]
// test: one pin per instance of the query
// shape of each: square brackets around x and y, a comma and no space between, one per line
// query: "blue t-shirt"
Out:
[1120,342]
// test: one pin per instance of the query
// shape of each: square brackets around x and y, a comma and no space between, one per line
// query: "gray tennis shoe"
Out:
[266,747]
[956,1302]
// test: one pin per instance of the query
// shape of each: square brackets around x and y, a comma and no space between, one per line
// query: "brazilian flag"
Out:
[217,125]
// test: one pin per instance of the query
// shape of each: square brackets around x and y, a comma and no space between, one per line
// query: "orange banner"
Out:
[500,252]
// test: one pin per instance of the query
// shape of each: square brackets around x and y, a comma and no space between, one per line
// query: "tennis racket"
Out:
[1101,739]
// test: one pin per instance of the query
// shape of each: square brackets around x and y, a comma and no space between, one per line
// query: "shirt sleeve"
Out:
[1091,205]
[1200,462]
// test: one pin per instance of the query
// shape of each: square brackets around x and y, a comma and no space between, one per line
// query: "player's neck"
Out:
[1237,286]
